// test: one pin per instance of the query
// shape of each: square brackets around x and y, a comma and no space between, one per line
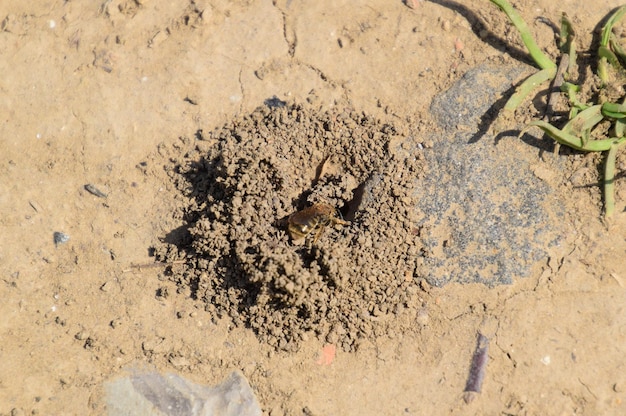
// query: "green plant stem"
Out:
[609,180]
[614,110]
[538,56]
[573,141]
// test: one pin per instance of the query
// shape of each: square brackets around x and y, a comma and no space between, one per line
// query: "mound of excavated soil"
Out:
[356,281]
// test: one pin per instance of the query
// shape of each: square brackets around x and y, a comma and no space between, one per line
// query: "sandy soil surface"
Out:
[203,126]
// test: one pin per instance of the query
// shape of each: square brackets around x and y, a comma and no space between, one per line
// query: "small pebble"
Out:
[458,45]
[412,4]
[95,191]
[81,335]
[60,238]
[422,317]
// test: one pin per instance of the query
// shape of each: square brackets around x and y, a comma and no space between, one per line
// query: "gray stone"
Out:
[487,218]
[150,393]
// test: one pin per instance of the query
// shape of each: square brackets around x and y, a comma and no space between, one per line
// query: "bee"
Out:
[313,219]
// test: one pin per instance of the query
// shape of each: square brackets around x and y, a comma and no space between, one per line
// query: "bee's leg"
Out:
[339,221]
[319,232]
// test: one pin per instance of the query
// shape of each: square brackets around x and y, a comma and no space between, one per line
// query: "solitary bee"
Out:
[314,218]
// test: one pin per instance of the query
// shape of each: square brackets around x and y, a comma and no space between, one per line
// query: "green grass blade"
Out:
[620,124]
[614,110]
[605,55]
[617,49]
[620,127]
[535,52]
[608,27]
[567,44]
[584,121]
[609,180]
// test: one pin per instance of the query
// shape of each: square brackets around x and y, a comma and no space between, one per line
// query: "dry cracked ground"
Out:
[201,126]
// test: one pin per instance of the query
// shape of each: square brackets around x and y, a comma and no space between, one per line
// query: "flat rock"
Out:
[488,218]
[150,393]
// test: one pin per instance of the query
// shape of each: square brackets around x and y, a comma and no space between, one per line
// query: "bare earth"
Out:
[174,111]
